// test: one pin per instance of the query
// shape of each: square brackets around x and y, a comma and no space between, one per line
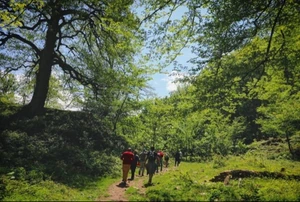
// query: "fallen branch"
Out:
[236,174]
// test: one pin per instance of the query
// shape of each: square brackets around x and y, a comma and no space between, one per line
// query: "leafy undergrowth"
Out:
[22,190]
[188,182]
[55,156]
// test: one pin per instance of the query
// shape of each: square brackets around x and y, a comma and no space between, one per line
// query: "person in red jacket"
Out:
[160,155]
[127,158]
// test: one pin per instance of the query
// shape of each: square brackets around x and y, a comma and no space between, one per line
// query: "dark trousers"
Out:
[161,163]
[132,168]
[167,163]
[177,161]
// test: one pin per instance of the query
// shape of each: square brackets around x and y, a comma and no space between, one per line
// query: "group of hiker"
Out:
[147,161]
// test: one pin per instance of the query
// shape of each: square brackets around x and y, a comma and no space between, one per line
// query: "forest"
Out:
[75,93]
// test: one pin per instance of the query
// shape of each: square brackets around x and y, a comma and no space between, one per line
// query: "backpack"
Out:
[151,156]
[143,156]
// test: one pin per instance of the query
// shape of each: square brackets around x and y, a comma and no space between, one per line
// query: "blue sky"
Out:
[163,83]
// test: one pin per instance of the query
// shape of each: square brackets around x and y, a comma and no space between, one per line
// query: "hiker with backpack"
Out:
[178,156]
[151,159]
[127,158]
[142,156]
[161,156]
[167,158]
[134,163]
[160,163]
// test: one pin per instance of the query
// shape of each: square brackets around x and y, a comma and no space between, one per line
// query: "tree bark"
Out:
[37,103]
[289,143]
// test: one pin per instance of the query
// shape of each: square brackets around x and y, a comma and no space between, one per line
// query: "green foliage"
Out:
[191,182]
[20,173]
[95,51]
[132,193]
[223,193]
[276,149]
[247,91]
[161,195]
[218,162]
[279,190]
[249,191]
[8,85]
[12,19]
[240,148]
[48,191]
[64,146]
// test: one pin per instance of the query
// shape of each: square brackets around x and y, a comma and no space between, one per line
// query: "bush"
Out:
[241,148]
[160,195]
[20,173]
[224,193]
[60,145]
[218,162]
[35,176]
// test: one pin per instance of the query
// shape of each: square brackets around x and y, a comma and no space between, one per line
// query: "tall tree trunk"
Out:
[37,103]
[287,136]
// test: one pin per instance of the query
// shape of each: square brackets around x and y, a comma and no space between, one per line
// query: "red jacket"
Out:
[127,157]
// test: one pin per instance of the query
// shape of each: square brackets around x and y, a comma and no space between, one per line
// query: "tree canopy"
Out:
[41,37]
[243,85]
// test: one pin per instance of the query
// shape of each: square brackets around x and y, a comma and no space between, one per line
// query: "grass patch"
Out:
[190,182]
[134,195]
[18,190]
[279,190]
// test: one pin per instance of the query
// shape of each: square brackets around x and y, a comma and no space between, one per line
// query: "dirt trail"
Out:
[117,193]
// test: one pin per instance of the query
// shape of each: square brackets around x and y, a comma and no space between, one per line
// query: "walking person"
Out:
[151,159]
[142,156]
[167,158]
[134,163]
[127,158]
[157,162]
[178,157]
[160,155]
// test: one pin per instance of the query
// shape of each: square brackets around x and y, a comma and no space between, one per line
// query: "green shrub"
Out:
[215,195]
[224,193]
[35,176]
[20,173]
[279,190]
[249,190]
[161,195]
[61,146]
[2,188]
[218,162]
[241,148]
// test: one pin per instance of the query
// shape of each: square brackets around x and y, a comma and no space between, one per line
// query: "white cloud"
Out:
[172,84]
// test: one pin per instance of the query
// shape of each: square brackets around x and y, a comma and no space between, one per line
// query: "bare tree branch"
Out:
[16,36]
